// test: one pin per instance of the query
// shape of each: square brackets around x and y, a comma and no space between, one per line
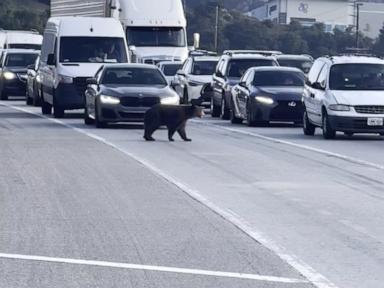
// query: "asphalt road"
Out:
[262,201]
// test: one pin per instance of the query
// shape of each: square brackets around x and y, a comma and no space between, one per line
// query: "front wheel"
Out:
[225,111]
[3,96]
[98,121]
[234,119]
[328,131]
[28,100]
[46,108]
[308,128]
[215,110]
[58,112]
[88,120]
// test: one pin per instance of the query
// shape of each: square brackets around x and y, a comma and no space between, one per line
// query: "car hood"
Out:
[16,69]
[281,93]
[79,69]
[201,78]
[121,91]
[354,98]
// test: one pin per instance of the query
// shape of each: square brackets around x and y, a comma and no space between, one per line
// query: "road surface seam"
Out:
[315,278]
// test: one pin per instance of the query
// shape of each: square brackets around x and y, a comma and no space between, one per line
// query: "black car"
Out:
[268,94]
[13,71]
[124,92]
[33,84]
[231,67]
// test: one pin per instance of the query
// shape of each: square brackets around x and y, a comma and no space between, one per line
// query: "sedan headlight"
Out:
[339,107]
[9,75]
[264,100]
[109,100]
[172,100]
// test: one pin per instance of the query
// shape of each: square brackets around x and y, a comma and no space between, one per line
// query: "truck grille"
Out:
[370,109]
[139,101]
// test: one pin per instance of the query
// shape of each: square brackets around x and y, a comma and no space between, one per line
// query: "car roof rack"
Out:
[259,52]
[200,52]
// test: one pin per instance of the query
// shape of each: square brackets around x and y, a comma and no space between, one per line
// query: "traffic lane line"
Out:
[296,145]
[315,278]
[244,276]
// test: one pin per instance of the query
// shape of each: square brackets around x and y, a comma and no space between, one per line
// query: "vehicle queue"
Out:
[82,65]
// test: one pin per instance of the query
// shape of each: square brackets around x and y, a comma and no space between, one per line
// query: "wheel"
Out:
[3,96]
[225,111]
[308,128]
[46,108]
[328,131]
[99,123]
[88,120]
[234,119]
[250,120]
[28,100]
[215,110]
[36,98]
[185,97]
[58,112]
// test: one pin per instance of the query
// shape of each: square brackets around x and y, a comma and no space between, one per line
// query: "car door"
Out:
[219,81]
[320,94]
[309,97]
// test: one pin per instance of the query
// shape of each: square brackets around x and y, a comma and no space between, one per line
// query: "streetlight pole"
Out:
[217,28]
[358,5]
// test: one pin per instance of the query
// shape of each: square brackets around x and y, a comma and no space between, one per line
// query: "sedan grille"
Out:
[139,101]
[287,110]
[370,109]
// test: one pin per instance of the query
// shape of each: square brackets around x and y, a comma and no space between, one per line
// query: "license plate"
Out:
[375,122]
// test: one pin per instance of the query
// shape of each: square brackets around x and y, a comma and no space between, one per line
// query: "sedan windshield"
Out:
[237,68]
[156,36]
[204,67]
[20,60]
[92,50]
[278,78]
[133,77]
[303,65]
[357,77]
[171,69]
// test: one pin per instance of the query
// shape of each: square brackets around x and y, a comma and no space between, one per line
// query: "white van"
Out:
[10,39]
[74,48]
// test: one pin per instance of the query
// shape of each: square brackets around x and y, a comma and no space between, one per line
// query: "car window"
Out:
[323,75]
[20,60]
[204,67]
[133,77]
[303,65]
[357,77]
[238,67]
[219,67]
[315,71]
[278,78]
[171,69]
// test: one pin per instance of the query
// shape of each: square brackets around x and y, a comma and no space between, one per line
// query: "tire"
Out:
[308,128]
[185,97]
[225,111]
[28,100]
[99,123]
[58,112]
[46,108]
[215,110]
[3,96]
[328,131]
[250,120]
[36,100]
[88,120]
[234,119]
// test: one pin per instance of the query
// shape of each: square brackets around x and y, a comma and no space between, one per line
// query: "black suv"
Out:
[230,68]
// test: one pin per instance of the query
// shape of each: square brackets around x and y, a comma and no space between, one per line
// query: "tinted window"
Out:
[20,60]
[133,77]
[237,68]
[25,46]
[171,69]
[204,67]
[156,36]
[357,77]
[303,65]
[92,50]
[278,78]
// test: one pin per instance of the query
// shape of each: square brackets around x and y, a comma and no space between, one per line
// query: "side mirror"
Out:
[51,61]
[243,84]
[92,81]
[31,67]
[318,86]
[180,72]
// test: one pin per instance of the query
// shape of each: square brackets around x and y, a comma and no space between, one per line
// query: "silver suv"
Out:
[345,93]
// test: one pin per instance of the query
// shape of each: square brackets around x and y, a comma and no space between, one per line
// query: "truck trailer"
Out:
[155,29]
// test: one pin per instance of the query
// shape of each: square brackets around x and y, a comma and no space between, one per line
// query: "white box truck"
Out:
[155,29]
[74,49]
[14,39]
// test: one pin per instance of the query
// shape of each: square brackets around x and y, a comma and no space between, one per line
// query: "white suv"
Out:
[346,94]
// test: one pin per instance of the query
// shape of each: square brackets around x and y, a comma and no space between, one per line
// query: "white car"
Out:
[197,71]
[346,94]
[169,69]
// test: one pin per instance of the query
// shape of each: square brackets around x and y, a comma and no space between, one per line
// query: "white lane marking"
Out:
[296,145]
[152,268]
[314,277]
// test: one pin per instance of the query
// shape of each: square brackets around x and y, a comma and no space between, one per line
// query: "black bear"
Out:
[173,117]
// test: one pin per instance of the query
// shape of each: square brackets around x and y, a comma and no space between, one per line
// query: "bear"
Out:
[174,117]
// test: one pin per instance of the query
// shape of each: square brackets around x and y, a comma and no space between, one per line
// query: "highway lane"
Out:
[322,209]
[71,198]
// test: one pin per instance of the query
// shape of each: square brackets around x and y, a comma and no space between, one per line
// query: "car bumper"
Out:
[15,87]
[70,96]
[279,112]
[120,113]
[354,124]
